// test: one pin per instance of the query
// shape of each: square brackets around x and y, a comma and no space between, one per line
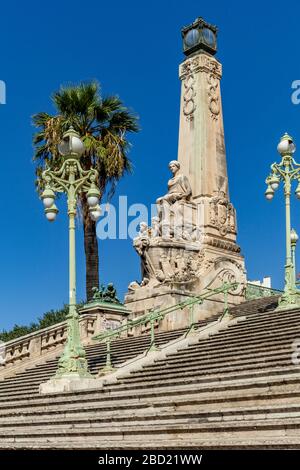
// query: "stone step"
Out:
[44,371]
[216,343]
[175,357]
[134,346]
[268,403]
[290,382]
[269,319]
[243,328]
[129,351]
[50,368]
[185,429]
[203,443]
[213,357]
[169,366]
[238,385]
[196,370]
[199,348]
[36,377]
[227,333]
[199,356]
[233,375]
[186,351]
[17,393]
[150,415]
[224,336]
[227,361]
[256,306]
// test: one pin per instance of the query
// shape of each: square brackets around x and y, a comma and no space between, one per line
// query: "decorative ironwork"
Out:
[253,291]
[156,316]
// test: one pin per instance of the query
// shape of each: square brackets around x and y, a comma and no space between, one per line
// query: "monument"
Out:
[191,244]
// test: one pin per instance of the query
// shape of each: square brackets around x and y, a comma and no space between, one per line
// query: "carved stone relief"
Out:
[189,93]
[222,214]
[213,95]
[213,70]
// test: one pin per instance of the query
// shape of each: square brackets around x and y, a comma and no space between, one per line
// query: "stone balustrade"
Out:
[30,349]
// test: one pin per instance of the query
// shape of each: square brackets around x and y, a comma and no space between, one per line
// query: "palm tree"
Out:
[103,124]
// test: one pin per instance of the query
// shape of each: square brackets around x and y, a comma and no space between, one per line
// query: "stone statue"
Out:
[144,230]
[108,294]
[169,206]
[179,188]
[155,227]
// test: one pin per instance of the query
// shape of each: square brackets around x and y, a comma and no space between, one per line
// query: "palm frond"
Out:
[102,123]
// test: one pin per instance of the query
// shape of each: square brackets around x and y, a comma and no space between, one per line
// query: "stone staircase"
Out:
[122,350]
[238,388]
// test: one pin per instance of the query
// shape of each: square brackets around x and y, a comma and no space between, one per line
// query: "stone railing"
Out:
[150,321]
[43,344]
[254,291]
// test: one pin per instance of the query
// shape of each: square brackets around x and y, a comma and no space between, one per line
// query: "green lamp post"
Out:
[286,171]
[72,180]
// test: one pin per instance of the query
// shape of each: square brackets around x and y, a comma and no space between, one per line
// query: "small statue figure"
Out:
[144,230]
[98,292]
[133,286]
[108,294]
[155,227]
[145,281]
[179,190]
[179,187]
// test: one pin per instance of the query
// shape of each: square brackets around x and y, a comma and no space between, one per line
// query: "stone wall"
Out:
[43,344]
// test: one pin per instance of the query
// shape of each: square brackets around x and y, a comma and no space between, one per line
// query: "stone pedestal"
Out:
[69,384]
[146,299]
[109,315]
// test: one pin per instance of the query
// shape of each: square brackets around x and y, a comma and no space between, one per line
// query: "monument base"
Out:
[109,315]
[180,271]
[151,299]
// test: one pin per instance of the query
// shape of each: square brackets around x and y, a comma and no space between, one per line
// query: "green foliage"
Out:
[48,319]
[102,123]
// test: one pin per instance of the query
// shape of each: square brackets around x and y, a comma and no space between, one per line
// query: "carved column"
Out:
[201,151]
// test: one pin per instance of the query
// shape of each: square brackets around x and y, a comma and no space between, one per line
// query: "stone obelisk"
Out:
[201,149]
[191,248]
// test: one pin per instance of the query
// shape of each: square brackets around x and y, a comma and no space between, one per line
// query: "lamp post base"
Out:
[72,367]
[289,300]
[72,362]
[106,370]
[71,383]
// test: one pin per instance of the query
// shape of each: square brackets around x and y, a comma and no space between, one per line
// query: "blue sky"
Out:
[134,48]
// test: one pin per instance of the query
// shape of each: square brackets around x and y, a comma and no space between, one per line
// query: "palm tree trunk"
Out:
[91,251]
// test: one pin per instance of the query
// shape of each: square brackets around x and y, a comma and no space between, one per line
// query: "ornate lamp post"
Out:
[286,171]
[72,180]
[294,239]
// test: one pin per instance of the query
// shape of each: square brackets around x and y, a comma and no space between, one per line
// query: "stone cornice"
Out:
[200,63]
